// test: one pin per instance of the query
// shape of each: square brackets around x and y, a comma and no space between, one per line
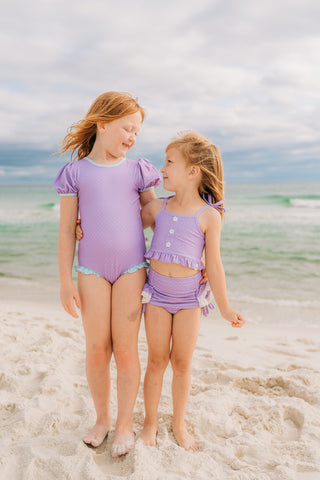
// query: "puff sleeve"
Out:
[66,181]
[148,175]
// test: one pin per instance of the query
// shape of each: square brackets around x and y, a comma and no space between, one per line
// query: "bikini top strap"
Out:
[165,199]
[164,203]
[218,205]
[201,209]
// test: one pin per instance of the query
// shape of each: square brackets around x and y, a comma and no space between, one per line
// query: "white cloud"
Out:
[245,73]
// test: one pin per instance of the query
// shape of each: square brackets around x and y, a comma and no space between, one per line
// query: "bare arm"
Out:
[66,251]
[147,215]
[215,270]
[146,196]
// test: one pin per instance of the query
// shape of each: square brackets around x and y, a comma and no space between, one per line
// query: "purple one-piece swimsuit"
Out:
[109,203]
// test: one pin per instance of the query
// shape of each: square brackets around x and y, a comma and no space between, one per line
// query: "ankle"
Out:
[104,420]
[124,427]
[178,424]
[149,422]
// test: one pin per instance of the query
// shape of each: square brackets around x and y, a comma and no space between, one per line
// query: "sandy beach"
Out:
[254,403]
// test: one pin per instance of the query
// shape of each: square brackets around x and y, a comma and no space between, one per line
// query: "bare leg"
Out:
[158,330]
[186,325]
[126,318]
[95,294]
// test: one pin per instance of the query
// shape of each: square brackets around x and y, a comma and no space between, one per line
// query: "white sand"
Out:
[254,404]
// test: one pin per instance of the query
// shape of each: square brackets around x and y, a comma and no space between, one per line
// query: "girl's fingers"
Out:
[239,321]
[73,312]
[78,301]
[69,308]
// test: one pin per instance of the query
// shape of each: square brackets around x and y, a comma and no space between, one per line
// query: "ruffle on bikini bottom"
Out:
[204,297]
[146,293]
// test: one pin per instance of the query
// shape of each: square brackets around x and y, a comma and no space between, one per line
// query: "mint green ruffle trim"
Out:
[137,267]
[88,271]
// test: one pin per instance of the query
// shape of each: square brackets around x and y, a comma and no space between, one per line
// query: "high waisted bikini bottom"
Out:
[176,294]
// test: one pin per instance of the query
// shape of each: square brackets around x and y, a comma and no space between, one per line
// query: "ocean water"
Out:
[270,244]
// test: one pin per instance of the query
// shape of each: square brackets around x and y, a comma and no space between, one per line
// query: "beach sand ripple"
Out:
[254,406]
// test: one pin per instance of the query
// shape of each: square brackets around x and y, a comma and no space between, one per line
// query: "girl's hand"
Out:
[235,318]
[79,232]
[69,295]
[204,278]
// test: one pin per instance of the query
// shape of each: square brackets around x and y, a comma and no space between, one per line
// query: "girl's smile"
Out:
[118,136]
[175,170]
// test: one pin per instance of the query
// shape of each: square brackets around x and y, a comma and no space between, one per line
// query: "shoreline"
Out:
[258,312]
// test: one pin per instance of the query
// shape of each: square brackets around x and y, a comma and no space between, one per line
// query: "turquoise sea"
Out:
[270,244]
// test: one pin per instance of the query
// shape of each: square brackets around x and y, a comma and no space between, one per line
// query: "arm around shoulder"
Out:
[150,211]
[147,196]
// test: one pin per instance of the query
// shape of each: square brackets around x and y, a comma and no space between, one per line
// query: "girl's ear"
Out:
[194,170]
[100,127]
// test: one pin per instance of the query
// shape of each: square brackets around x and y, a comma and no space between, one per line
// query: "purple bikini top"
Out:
[178,238]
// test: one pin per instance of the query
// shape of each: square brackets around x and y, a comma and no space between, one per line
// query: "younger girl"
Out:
[185,224]
[107,188]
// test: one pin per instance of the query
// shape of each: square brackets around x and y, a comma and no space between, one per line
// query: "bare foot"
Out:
[184,438]
[123,442]
[96,435]
[149,435]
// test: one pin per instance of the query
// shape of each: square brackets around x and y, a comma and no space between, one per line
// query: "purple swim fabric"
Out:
[176,294]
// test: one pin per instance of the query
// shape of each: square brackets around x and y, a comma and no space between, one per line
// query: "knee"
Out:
[125,358]
[158,363]
[180,366]
[98,356]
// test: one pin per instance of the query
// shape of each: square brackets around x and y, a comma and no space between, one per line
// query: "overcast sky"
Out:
[245,73]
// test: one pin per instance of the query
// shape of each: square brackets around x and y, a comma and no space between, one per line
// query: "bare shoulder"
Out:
[209,219]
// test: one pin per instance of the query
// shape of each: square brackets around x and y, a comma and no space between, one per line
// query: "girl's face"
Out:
[175,170]
[120,135]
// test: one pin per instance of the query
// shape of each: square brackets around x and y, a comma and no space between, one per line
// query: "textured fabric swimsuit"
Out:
[109,204]
[179,239]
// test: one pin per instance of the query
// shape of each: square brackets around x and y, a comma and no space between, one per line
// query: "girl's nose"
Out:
[162,169]
[132,139]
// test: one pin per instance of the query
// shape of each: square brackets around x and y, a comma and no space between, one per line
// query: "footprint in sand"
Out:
[108,465]
[290,386]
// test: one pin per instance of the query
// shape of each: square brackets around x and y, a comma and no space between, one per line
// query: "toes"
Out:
[119,449]
[90,442]
[116,451]
[194,447]
[87,442]
[95,442]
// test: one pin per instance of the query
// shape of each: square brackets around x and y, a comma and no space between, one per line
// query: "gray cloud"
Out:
[244,73]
